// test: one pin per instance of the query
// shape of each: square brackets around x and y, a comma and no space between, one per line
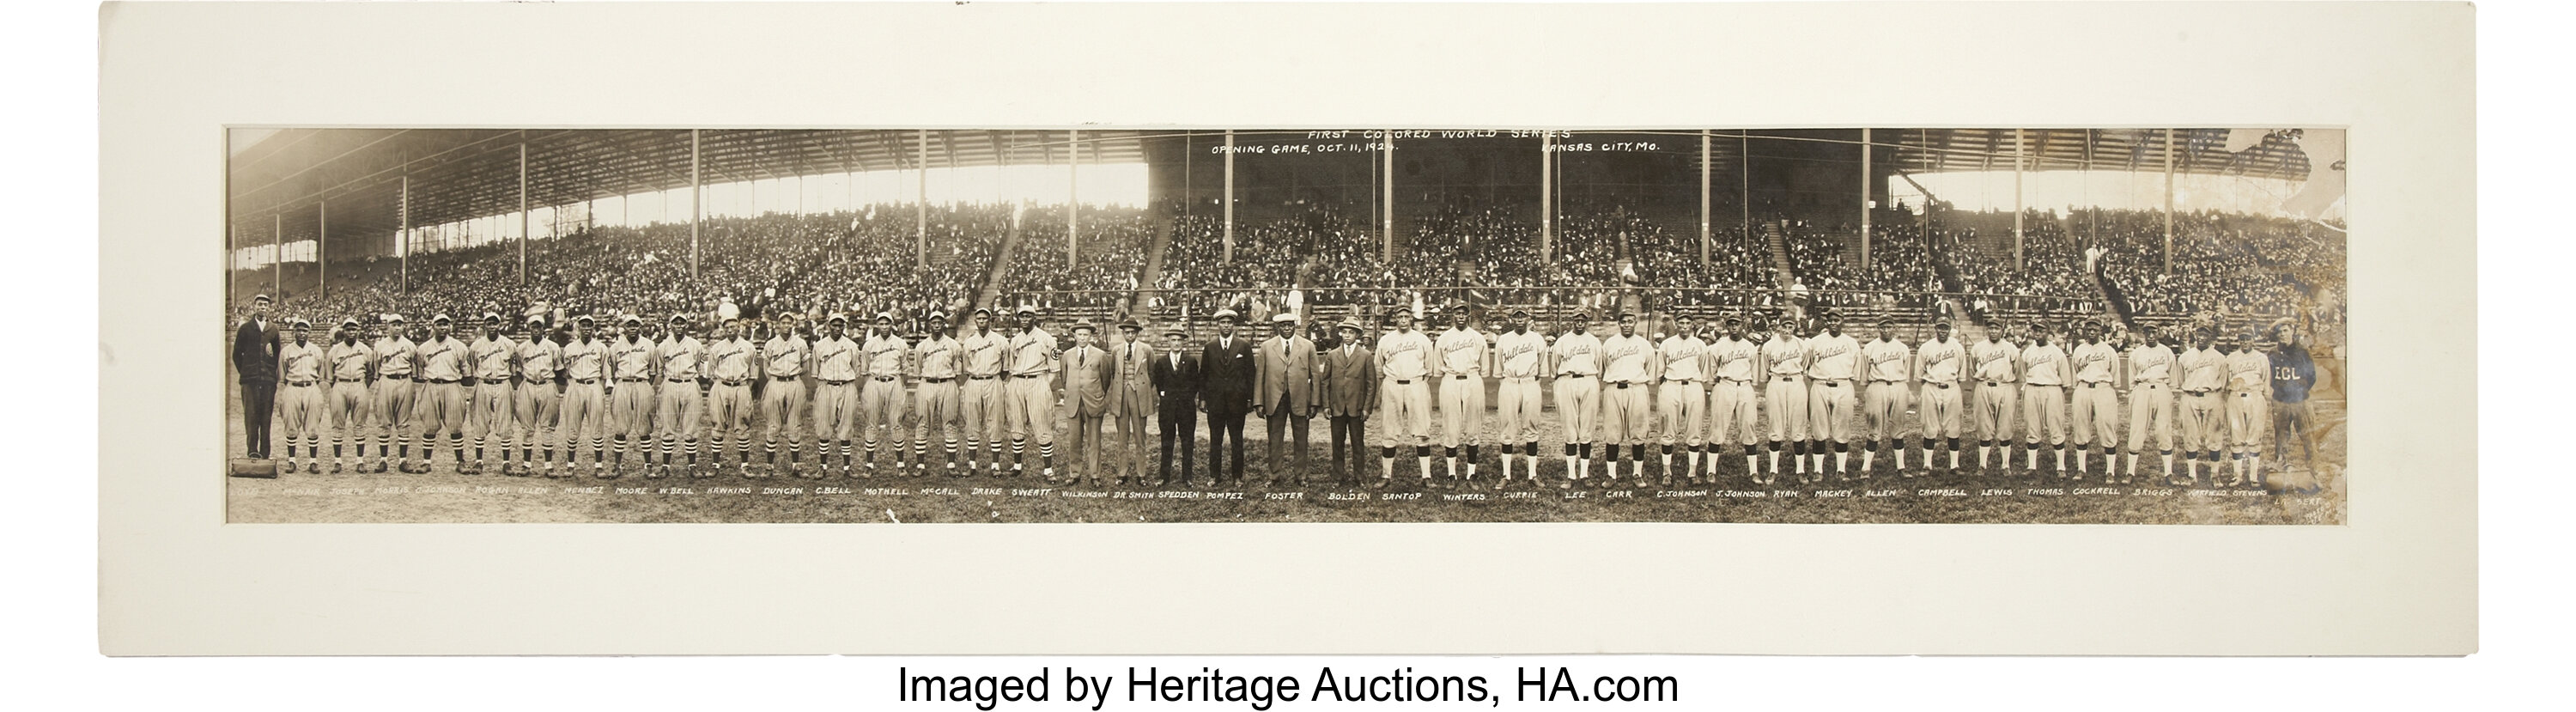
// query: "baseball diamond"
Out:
[1787,326]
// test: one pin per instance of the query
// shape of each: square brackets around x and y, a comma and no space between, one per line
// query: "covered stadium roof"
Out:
[460,174]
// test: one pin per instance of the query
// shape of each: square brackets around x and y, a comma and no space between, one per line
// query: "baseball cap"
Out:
[351,322]
[259,299]
[441,319]
[300,323]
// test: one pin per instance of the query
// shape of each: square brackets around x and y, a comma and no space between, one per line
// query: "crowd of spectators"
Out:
[2225,266]
[1110,255]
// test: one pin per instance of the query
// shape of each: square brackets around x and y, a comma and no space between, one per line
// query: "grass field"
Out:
[2003,496]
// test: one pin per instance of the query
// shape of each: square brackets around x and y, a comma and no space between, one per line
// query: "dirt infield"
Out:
[2000,496]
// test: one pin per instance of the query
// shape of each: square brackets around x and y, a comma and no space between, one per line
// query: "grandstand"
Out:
[2145,225]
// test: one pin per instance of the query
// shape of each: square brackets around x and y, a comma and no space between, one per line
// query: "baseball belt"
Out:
[980,378]
[1402,381]
[1029,375]
[734,381]
[2097,384]
[784,379]
[937,380]
[1944,385]
[681,380]
[1831,382]
[395,376]
[440,381]
[842,382]
[633,380]
[585,381]
[301,384]
[881,379]
[1994,384]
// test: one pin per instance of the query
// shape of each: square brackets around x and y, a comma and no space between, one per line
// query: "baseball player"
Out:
[2204,373]
[2044,369]
[939,359]
[1629,365]
[2097,399]
[396,358]
[1404,363]
[836,393]
[301,370]
[1941,366]
[1519,356]
[1996,367]
[680,406]
[2151,399]
[537,402]
[1576,359]
[488,409]
[1833,361]
[734,364]
[979,404]
[2249,398]
[1679,396]
[1462,391]
[1132,400]
[588,372]
[881,398]
[1785,396]
[783,360]
[1887,366]
[630,405]
[1736,363]
[444,364]
[352,374]
[1030,399]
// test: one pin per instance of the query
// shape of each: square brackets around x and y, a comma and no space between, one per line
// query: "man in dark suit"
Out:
[1176,385]
[1347,387]
[1226,361]
[255,348]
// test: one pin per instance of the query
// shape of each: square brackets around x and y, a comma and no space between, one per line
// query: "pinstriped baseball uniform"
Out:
[1030,398]
[935,401]
[395,357]
[979,403]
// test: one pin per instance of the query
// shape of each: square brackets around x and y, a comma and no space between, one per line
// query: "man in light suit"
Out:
[1131,399]
[1284,370]
[1176,382]
[1226,394]
[1346,384]
[1087,374]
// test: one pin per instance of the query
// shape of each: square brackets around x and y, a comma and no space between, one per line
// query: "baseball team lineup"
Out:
[1856,325]
[599,397]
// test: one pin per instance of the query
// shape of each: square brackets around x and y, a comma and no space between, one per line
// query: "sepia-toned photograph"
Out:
[1849,325]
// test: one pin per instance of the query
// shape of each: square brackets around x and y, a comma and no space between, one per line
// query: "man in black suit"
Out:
[1176,385]
[1227,394]
[255,348]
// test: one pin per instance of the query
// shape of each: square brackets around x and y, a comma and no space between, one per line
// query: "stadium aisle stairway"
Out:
[1779,241]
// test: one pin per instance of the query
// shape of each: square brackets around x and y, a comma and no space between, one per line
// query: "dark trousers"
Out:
[1351,430]
[1280,425]
[258,405]
[1180,423]
[1220,427]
